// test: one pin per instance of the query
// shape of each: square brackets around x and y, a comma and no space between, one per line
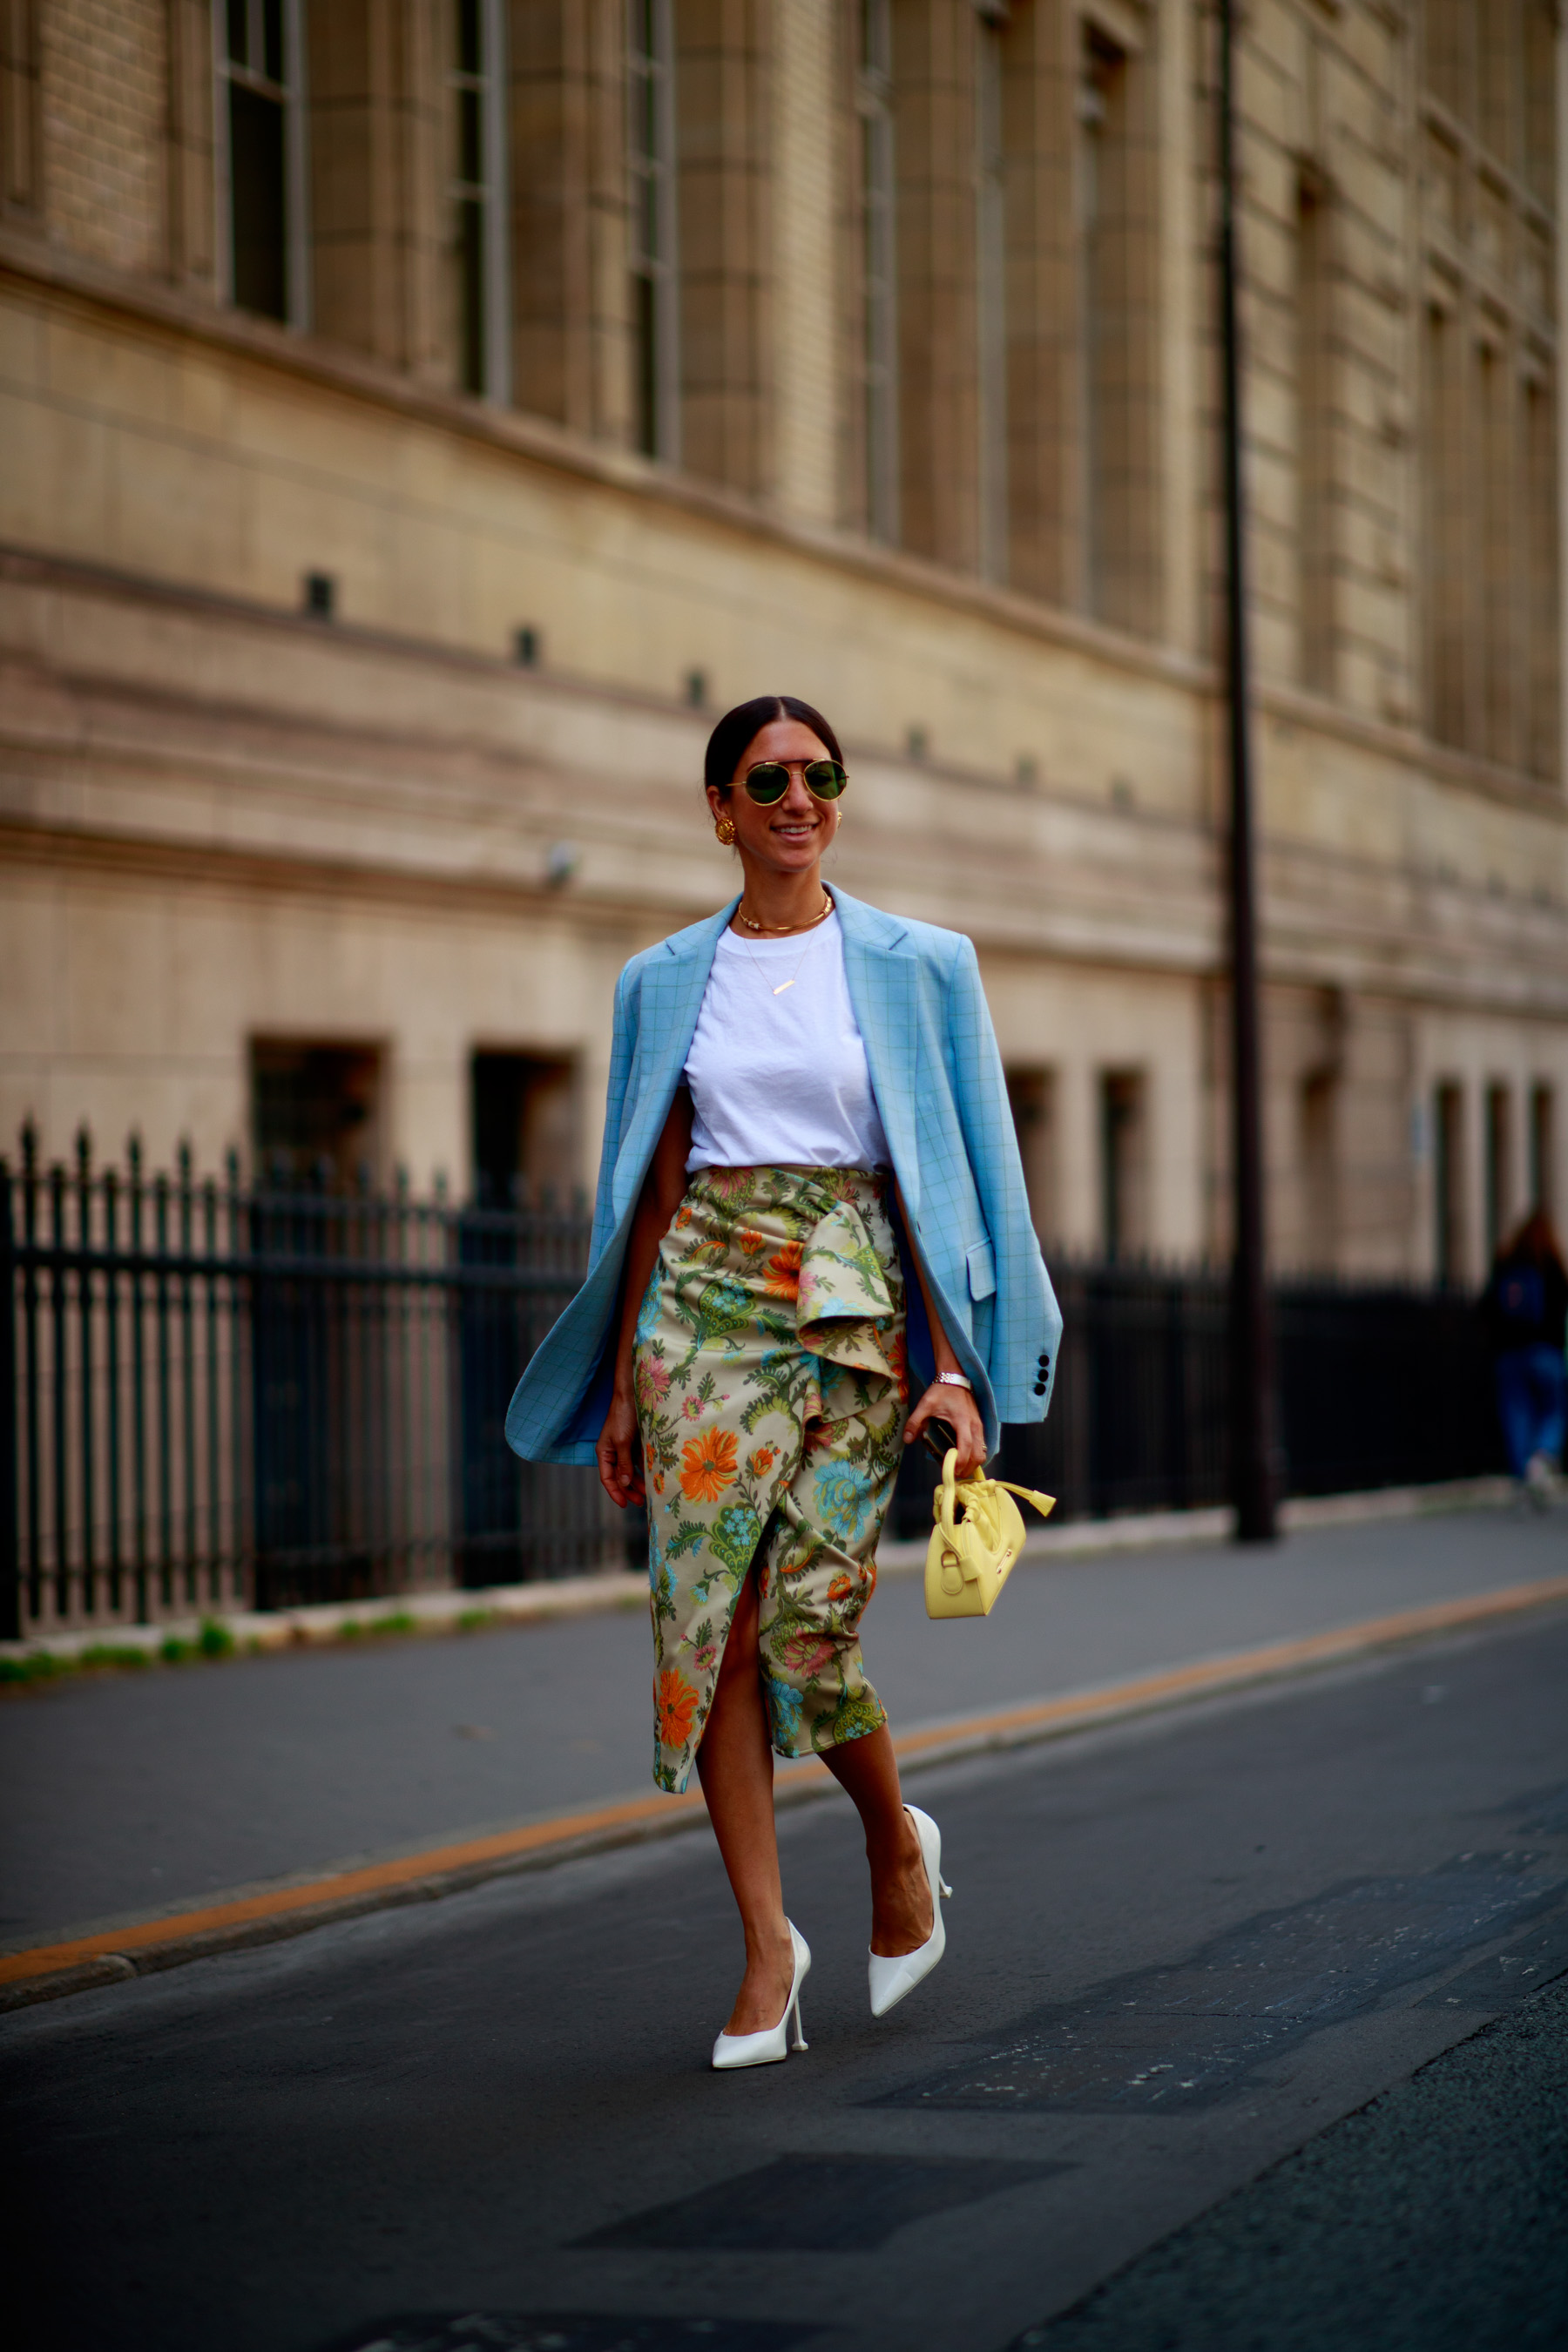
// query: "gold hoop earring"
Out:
[724,833]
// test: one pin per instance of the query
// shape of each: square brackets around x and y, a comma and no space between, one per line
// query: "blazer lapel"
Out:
[672,999]
[881,981]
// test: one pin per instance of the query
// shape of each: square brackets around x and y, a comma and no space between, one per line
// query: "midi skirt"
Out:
[771,1389]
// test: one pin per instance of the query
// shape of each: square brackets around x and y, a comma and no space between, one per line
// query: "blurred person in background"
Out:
[1525,1304]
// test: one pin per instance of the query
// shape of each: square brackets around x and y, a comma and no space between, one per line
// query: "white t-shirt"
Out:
[778,1079]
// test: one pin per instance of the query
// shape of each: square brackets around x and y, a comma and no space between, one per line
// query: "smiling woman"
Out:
[810,1181]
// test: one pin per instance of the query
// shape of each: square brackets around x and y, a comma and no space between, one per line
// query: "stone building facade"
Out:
[417,417]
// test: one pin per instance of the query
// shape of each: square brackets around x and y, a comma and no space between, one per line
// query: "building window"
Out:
[1315,413]
[878,315]
[1543,1150]
[261,156]
[1492,474]
[1490,574]
[1448,1183]
[1499,1167]
[478,195]
[1119,570]
[1033,1096]
[315,1113]
[1541,649]
[1121,1162]
[524,1129]
[991,295]
[19,88]
[1319,1170]
[1447,646]
[655,287]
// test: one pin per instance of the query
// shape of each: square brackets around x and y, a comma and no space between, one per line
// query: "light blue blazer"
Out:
[943,1098]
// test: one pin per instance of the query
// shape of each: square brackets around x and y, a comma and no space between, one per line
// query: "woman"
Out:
[1526,1308]
[807,1108]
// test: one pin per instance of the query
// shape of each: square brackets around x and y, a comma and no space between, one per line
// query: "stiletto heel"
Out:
[892,1979]
[767,2048]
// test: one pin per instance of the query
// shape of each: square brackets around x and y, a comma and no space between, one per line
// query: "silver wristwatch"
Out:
[954,1380]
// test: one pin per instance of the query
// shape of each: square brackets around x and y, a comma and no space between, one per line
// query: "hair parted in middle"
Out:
[745,723]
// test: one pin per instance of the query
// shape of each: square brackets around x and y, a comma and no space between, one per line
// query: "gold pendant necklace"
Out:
[783,983]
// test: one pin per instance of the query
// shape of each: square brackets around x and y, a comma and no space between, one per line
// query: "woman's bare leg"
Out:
[868,1772]
[735,1765]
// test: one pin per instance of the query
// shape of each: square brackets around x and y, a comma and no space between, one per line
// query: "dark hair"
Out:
[745,723]
[1535,1240]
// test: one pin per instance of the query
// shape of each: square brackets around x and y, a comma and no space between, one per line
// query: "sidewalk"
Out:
[125,1795]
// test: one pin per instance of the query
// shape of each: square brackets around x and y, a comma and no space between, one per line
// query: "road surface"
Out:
[1183,1953]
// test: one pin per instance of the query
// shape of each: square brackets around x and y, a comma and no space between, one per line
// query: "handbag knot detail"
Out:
[970,1557]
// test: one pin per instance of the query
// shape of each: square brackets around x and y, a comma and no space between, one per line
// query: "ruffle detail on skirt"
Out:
[845,1312]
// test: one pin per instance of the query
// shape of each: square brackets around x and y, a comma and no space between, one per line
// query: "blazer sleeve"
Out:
[623,1052]
[1026,1323]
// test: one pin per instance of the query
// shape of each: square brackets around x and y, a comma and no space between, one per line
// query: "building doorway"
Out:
[315,1113]
[524,1129]
[526,1209]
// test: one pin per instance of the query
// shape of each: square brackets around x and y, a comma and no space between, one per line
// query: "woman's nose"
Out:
[797,800]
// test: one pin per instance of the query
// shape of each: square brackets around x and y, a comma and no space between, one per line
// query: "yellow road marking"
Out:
[1000,1724]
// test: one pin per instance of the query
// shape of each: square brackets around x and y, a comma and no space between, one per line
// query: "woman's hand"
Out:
[620,1454]
[957,1407]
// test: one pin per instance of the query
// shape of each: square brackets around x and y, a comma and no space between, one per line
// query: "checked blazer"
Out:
[943,1098]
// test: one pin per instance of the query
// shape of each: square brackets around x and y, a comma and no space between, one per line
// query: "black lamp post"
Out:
[1251,1340]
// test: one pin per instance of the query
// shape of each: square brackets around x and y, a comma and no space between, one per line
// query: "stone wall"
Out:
[223,819]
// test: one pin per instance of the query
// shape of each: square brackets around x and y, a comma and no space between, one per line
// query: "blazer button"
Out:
[1039,1388]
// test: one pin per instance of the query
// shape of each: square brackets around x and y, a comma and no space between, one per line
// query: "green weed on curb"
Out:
[212,1641]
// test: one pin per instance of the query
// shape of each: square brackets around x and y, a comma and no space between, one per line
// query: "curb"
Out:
[248,1917]
[492,1606]
[444,1611]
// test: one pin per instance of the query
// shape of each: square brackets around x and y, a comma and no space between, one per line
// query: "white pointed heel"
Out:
[892,1979]
[767,2048]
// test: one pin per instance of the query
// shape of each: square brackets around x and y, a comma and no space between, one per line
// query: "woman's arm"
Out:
[619,1450]
[941,1403]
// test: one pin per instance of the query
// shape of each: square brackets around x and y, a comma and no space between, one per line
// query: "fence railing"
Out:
[1379,1385]
[214,1396]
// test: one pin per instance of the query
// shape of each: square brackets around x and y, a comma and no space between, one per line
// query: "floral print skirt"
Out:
[771,1392]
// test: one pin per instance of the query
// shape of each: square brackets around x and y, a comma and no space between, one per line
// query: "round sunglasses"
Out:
[768,782]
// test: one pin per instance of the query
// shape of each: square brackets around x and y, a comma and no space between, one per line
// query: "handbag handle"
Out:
[978,1495]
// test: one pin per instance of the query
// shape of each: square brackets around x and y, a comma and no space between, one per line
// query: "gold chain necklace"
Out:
[820,917]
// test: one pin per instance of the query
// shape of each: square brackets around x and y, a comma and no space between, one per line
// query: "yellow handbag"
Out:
[969,1559]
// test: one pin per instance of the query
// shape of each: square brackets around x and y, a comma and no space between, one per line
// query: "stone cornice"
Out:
[1285,706]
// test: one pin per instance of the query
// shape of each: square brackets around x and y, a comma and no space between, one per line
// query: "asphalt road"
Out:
[126,1793]
[1181,1953]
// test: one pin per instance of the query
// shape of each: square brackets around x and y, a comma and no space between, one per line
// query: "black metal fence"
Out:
[213,1396]
[1380,1384]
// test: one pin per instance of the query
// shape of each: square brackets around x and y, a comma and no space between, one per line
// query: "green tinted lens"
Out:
[826,779]
[768,782]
